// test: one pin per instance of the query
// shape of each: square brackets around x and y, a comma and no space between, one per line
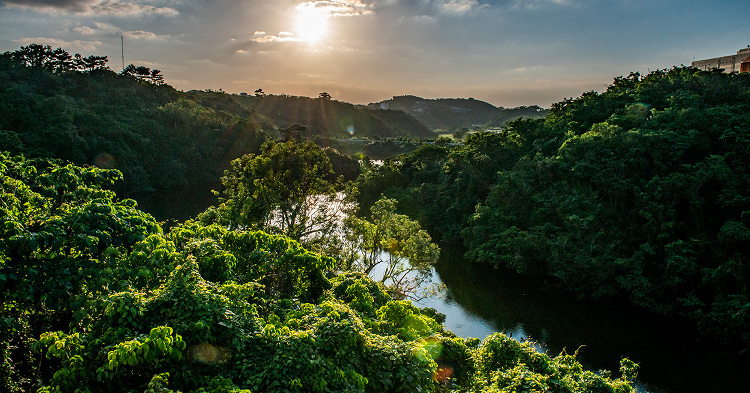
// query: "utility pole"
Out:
[122,48]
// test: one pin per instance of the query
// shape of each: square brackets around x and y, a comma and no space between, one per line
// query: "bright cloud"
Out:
[281,37]
[336,8]
[457,7]
[99,27]
[143,35]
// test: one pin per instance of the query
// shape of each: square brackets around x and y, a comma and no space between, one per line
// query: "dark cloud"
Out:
[124,8]
[118,8]
[64,5]
[410,8]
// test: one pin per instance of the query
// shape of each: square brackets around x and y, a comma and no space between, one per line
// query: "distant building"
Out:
[733,63]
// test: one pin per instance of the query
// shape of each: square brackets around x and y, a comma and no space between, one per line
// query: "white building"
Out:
[733,63]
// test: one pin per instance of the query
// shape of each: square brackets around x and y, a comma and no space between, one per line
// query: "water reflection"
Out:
[672,356]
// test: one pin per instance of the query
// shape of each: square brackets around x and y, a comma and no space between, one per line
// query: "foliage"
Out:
[288,189]
[639,192]
[393,247]
[74,108]
[97,299]
[334,119]
[56,60]
[507,365]
[144,74]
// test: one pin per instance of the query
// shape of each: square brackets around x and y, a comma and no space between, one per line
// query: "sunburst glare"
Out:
[312,23]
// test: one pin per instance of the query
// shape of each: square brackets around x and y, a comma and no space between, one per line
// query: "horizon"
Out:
[508,53]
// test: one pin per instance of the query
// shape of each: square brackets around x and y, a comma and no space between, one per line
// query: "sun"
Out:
[312,24]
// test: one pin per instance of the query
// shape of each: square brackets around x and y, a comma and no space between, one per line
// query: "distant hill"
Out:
[159,138]
[450,113]
[334,119]
[509,114]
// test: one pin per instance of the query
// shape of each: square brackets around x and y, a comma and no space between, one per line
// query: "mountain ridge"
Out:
[452,113]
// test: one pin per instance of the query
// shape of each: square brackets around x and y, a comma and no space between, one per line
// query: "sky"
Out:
[506,52]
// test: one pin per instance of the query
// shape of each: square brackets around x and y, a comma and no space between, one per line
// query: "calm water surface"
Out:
[673,358]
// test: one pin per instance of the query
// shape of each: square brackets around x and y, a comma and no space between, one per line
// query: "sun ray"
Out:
[312,24]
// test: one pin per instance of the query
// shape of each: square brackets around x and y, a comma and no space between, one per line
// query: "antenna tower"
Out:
[122,48]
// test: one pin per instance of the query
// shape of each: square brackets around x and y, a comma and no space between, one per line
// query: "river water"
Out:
[673,358]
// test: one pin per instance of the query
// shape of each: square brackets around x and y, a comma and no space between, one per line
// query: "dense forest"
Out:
[56,105]
[257,293]
[639,192]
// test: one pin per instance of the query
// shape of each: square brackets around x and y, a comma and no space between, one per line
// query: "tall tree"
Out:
[288,189]
[393,249]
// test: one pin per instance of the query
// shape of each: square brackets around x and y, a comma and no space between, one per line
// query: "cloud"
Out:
[57,43]
[337,8]
[99,27]
[98,7]
[458,7]
[105,26]
[84,30]
[284,36]
[52,5]
[538,4]
[130,9]
[146,63]
[428,10]
[143,35]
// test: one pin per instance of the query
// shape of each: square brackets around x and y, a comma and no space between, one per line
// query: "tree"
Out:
[288,189]
[295,132]
[325,96]
[394,248]
[144,73]
[97,298]
[260,93]
[156,77]
[90,63]
[460,133]
[43,56]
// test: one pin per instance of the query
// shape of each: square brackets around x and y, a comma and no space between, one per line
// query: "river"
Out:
[673,358]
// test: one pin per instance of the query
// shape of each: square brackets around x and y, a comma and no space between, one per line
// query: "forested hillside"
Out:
[53,104]
[157,136]
[510,114]
[642,192]
[452,113]
[329,118]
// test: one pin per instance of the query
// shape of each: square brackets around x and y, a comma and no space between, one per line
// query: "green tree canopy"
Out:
[95,298]
[289,188]
[394,248]
[638,192]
